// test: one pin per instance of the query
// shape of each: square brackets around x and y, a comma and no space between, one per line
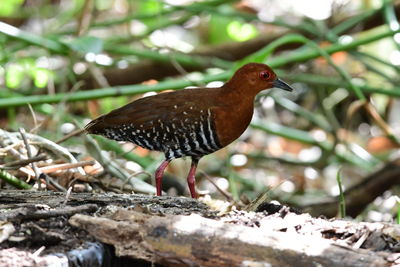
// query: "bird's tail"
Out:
[94,126]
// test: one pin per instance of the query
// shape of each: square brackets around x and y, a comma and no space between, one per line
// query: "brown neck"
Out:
[237,94]
[235,112]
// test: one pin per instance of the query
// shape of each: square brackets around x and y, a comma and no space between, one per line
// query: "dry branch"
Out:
[197,241]
[361,195]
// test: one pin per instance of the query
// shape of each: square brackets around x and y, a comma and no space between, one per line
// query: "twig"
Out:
[11,149]
[98,76]
[52,182]
[67,195]
[128,181]
[184,73]
[38,252]
[114,169]
[379,120]
[22,162]
[223,192]
[7,229]
[47,144]
[29,152]
[85,18]
[71,134]
[361,240]
[35,123]
[66,166]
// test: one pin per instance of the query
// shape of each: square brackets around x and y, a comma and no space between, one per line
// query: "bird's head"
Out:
[255,77]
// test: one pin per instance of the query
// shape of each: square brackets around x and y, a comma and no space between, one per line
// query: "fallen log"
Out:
[183,232]
[176,240]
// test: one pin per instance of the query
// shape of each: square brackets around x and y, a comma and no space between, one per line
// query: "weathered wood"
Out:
[197,241]
[154,229]
[31,219]
[13,199]
[42,212]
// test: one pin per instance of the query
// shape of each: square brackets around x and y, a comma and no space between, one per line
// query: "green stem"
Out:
[323,53]
[374,69]
[14,181]
[276,62]
[33,39]
[172,85]
[307,54]
[131,17]
[107,92]
[291,133]
[302,112]
[342,202]
[391,19]
[334,82]
[398,213]
[345,75]
[305,138]
[377,59]
[353,21]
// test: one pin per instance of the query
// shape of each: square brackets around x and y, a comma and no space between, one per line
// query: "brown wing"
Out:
[150,111]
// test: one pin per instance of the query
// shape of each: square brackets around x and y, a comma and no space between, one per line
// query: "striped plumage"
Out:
[158,123]
[191,122]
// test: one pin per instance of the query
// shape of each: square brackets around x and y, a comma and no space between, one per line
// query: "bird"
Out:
[192,122]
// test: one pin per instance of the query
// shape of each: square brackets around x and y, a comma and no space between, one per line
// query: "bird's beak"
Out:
[282,85]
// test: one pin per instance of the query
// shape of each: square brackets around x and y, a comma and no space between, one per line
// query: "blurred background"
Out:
[63,63]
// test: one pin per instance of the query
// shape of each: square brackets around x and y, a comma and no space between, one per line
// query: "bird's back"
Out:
[179,123]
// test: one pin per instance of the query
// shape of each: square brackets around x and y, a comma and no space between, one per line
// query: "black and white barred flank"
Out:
[177,138]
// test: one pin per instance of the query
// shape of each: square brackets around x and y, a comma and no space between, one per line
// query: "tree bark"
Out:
[176,240]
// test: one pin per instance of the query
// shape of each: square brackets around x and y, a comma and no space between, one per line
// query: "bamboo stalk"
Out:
[297,56]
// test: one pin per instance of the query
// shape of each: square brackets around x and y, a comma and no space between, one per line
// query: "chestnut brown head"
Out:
[255,77]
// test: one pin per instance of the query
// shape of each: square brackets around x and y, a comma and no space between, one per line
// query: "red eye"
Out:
[264,75]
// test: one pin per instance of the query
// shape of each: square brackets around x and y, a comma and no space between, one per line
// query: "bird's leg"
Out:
[159,175]
[191,177]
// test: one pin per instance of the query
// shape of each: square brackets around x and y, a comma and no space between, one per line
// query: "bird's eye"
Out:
[264,75]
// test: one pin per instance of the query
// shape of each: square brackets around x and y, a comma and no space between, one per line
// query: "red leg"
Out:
[159,175]
[191,178]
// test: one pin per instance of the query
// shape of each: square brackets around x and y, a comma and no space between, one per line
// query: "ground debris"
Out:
[176,231]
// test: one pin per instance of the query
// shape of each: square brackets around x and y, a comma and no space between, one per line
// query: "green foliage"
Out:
[397,209]
[41,77]
[103,4]
[149,7]
[10,7]
[87,44]
[218,29]
[241,31]
[109,103]
[14,75]
[25,71]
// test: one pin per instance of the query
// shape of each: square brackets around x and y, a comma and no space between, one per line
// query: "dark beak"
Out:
[282,85]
